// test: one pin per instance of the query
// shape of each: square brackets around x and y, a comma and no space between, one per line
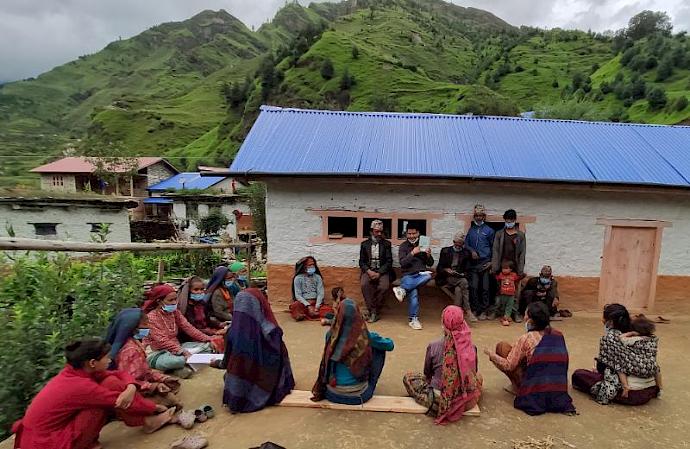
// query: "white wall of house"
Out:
[180,211]
[565,234]
[225,186]
[58,182]
[73,222]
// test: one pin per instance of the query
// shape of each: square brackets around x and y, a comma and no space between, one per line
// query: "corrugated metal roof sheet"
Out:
[84,165]
[187,181]
[309,142]
[157,200]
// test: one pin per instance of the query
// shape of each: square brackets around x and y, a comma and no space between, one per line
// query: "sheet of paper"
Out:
[424,242]
[203,359]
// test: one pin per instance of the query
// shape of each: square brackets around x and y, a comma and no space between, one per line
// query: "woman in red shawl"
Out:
[450,384]
[165,323]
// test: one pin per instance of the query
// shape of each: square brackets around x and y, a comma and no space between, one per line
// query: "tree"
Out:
[213,223]
[346,81]
[355,52]
[605,88]
[554,84]
[327,70]
[665,69]
[578,81]
[647,23]
[657,98]
[628,55]
[638,88]
[681,103]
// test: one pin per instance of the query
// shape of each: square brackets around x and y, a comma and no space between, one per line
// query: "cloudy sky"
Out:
[36,35]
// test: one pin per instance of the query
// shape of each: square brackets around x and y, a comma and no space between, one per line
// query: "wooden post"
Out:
[161,267]
[22,244]
[131,185]
[117,186]
[249,264]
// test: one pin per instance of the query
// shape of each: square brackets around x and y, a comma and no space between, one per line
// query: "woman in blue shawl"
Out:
[256,359]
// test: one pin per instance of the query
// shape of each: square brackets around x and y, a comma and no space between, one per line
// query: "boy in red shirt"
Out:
[505,300]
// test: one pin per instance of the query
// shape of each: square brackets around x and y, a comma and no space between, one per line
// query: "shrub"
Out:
[213,223]
[355,52]
[554,84]
[605,88]
[327,70]
[657,98]
[665,69]
[681,103]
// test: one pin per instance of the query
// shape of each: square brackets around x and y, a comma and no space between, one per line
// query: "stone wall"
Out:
[69,184]
[73,222]
[158,172]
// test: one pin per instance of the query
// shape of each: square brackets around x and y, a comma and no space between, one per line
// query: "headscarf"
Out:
[459,377]
[299,269]
[347,342]
[156,295]
[122,329]
[216,281]
[256,359]
[546,271]
[183,294]
[236,267]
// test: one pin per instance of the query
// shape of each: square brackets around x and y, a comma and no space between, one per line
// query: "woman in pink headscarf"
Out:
[450,384]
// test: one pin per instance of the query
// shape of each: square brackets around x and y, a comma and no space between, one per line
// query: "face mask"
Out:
[228,284]
[242,278]
[478,222]
[457,248]
[141,333]
[606,328]
[197,296]
[311,270]
[510,225]
[528,326]
[170,308]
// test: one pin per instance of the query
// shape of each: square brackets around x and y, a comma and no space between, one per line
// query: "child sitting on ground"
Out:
[338,294]
[505,300]
[641,338]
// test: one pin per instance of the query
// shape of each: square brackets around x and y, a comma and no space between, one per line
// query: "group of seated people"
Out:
[133,374]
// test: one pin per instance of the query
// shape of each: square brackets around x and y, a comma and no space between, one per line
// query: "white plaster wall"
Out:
[225,186]
[73,222]
[180,210]
[203,210]
[565,234]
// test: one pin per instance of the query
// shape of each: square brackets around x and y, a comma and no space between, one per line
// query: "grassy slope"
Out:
[160,92]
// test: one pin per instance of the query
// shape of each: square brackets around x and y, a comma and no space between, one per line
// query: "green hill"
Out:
[191,90]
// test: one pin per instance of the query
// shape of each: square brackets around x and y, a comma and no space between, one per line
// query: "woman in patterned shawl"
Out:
[450,384]
[352,359]
[638,362]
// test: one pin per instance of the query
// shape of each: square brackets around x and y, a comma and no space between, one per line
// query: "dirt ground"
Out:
[663,423]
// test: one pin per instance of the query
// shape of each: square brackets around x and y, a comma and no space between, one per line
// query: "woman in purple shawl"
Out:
[256,359]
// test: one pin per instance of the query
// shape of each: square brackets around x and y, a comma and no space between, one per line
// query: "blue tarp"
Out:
[157,200]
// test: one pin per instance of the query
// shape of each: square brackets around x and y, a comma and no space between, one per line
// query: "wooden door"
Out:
[629,266]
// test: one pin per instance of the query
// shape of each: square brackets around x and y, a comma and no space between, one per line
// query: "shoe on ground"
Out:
[186,419]
[492,316]
[482,317]
[517,318]
[472,318]
[505,321]
[415,324]
[373,317]
[190,442]
[399,293]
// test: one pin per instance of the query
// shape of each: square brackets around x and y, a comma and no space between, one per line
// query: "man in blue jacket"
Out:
[480,240]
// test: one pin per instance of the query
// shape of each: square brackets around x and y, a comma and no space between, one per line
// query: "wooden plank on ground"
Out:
[391,404]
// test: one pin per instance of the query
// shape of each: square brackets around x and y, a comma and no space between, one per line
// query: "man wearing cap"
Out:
[480,240]
[543,288]
[376,263]
[451,273]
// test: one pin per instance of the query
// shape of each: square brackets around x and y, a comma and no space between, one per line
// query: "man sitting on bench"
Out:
[451,274]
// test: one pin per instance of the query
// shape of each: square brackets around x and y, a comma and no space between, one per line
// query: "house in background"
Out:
[597,201]
[79,174]
[185,197]
[68,219]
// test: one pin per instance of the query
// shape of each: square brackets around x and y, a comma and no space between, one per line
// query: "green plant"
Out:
[213,223]
[327,70]
[255,195]
[681,103]
[101,235]
[657,98]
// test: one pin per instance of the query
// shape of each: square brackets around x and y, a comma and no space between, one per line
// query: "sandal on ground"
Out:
[565,313]
[208,411]
[505,322]
[190,442]
[186,419]
[200,416]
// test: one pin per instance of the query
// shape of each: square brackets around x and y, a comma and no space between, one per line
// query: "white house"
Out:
[69,219]
[607,205]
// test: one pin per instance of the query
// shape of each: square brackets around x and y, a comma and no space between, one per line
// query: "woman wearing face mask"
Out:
[125,335]
[219,295]
[165,323]
[240,281]
[640,367]
[193,304]
[537,365]
[308,292]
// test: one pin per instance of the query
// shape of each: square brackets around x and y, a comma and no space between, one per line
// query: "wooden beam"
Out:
[633,223]
[21,244]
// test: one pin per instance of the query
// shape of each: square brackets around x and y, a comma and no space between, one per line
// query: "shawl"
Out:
[459,371]
[544,387]
[216,281]
[299,269]
[155,295]
[258,367]
[183,300]
[347,342]
[638,360]
[120,330]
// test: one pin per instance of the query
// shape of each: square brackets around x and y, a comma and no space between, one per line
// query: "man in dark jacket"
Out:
[451,273]
[510,245]
[414,265]
[376,263]
[480,240]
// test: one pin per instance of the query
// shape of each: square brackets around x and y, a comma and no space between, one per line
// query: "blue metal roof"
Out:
[333,143]
[187,181]
[157,200]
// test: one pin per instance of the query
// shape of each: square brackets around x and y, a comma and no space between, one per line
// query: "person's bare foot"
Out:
[155,422]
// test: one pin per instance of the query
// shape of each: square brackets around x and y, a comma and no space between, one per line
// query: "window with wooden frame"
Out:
[58,181]
[352,227]
[405,223]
